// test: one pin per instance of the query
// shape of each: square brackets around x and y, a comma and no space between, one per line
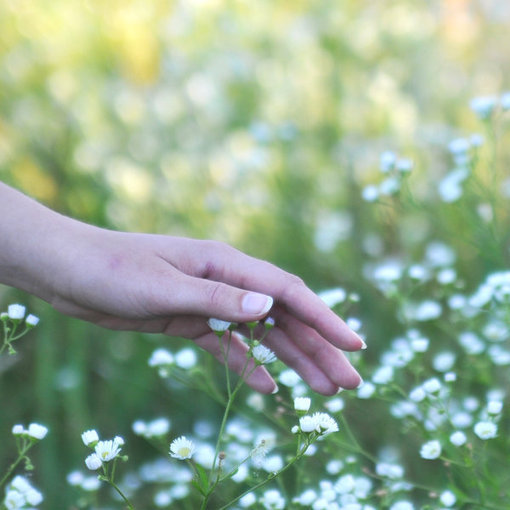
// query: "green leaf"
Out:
[204,481]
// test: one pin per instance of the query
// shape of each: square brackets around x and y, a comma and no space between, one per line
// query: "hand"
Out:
[172,285]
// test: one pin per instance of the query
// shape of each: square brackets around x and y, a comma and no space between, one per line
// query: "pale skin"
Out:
[172,285]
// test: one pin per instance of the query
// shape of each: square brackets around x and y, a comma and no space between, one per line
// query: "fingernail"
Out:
[340,390]
[257,304]
[276,389]
[361,381]
[363,344]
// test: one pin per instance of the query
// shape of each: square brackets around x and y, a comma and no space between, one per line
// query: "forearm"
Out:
[31,237]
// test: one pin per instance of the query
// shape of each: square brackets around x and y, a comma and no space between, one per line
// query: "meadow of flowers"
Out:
[363,146]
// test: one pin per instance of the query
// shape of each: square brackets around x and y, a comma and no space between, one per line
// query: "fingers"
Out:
[233,267]
[257,378]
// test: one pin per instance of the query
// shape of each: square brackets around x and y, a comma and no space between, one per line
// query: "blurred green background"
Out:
[254,123]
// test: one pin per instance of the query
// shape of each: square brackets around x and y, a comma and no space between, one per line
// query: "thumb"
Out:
[216,299]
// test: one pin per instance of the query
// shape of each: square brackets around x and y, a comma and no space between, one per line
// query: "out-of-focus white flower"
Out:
[432,386]
[186,358]
[370,193]
[218,325]
[272,464]
[182,448]
[393,471]
[90,437]
[345,484]
[18,430]
[444,361]
[248,500]
[14,500]
[427,310]
[402,505]
[494,407]
[107,450]
[366,390]
[259,452]
[93,462]
[32,320]
[335,405]
[383,375]
[486,430]
[387,161]
[161,357]
[448,498]
[504,101]
[33,497]
[458,438]
[459,146]
[483,106]
[272,500]
[289,378]
[333,297]
[263,355]
[431,450]
[37,431]
[302,403]
[471,342]
[16,312]
[417,394]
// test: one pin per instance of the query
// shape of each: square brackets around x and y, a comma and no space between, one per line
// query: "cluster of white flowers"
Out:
[16,312]
[20,494]
[155,428]
[163,360]
[394,168]
[35,431]
[320,423]
[88,483]
[104,451]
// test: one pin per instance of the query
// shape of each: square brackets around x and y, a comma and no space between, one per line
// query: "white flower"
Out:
[16,312]
[14,500]
[248,500]
[494,407]
[432,386]
[393,471]
[483,106]
[289,378]
[75,478]
[444,361]
[431,450]
[370,193]
[272,500]
[326,423]
[458,438]
[448,498]
[383,375]
[427,310]
[218,325]
[366,390]
[89,436]
[32,320]
[387,161]
[417,394]
[333,297]
[302,403]
[308,424]
[33,497]
[18,430]
[182,448]
[107,450]
[263,355]
[186,358]
[93,462]
[161,357]
[486,429]
[402,505]
[335,405]
[118,441]
[37,431]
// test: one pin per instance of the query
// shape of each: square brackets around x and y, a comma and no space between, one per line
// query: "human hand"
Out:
[172,285]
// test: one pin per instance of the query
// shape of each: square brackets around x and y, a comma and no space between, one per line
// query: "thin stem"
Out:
[12,467]
[121,494]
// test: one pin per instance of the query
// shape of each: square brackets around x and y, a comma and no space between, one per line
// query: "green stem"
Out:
[121,494]
[12,467]
[271,477]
